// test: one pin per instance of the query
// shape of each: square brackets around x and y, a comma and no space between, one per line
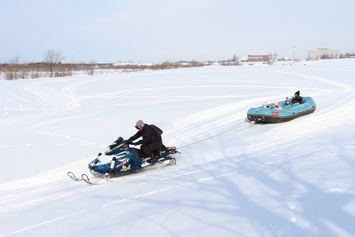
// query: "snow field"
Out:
[232,179]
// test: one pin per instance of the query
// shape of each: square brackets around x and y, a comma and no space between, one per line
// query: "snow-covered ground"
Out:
[232,179]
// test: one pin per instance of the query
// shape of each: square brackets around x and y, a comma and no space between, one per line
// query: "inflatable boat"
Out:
[287,113]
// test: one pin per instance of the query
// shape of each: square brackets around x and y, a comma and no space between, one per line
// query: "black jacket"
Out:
[148,134]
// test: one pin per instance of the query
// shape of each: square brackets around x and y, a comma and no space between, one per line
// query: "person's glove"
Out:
[129,142]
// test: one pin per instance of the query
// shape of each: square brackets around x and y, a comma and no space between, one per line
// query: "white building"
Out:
[323,53]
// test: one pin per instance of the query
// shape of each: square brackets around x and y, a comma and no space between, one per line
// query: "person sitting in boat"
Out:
[287,102]
[266,106]
[277,106]
[296,98]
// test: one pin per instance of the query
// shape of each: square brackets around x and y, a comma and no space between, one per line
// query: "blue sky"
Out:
[172,30]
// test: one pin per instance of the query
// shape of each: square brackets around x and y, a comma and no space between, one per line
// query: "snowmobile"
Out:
[120,158]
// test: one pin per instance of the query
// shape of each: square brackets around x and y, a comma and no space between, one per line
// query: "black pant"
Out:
[152,149]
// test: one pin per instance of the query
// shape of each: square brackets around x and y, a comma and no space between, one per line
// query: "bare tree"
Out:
[90,68]
[12,69]
[52,60]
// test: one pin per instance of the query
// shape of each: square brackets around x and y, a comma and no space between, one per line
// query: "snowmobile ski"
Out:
[73,177]
[86,178]
[92,182]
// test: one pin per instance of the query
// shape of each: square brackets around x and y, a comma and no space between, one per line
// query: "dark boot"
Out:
[153,159]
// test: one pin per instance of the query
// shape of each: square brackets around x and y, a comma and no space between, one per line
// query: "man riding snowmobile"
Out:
[120,158]
[151,141]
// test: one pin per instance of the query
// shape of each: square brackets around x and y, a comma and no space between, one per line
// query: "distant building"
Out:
[320,53]
[258,58]
[271,58]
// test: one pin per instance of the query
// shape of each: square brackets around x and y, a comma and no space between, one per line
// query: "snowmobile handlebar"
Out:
[129,142]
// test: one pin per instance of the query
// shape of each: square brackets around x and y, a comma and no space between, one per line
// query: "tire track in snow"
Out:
[44,223]
[333,83]
[137,196]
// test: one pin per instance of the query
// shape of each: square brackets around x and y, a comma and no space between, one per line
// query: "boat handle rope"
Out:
[251,123]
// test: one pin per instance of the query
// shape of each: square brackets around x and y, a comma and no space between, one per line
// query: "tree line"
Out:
[52,66]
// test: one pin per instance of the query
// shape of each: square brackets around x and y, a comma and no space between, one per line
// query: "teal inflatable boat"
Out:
[288,111]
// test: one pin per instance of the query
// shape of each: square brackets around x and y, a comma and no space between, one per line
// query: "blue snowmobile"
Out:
[126,159]
[120,159]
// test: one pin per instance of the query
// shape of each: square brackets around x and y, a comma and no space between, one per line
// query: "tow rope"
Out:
[251,124]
